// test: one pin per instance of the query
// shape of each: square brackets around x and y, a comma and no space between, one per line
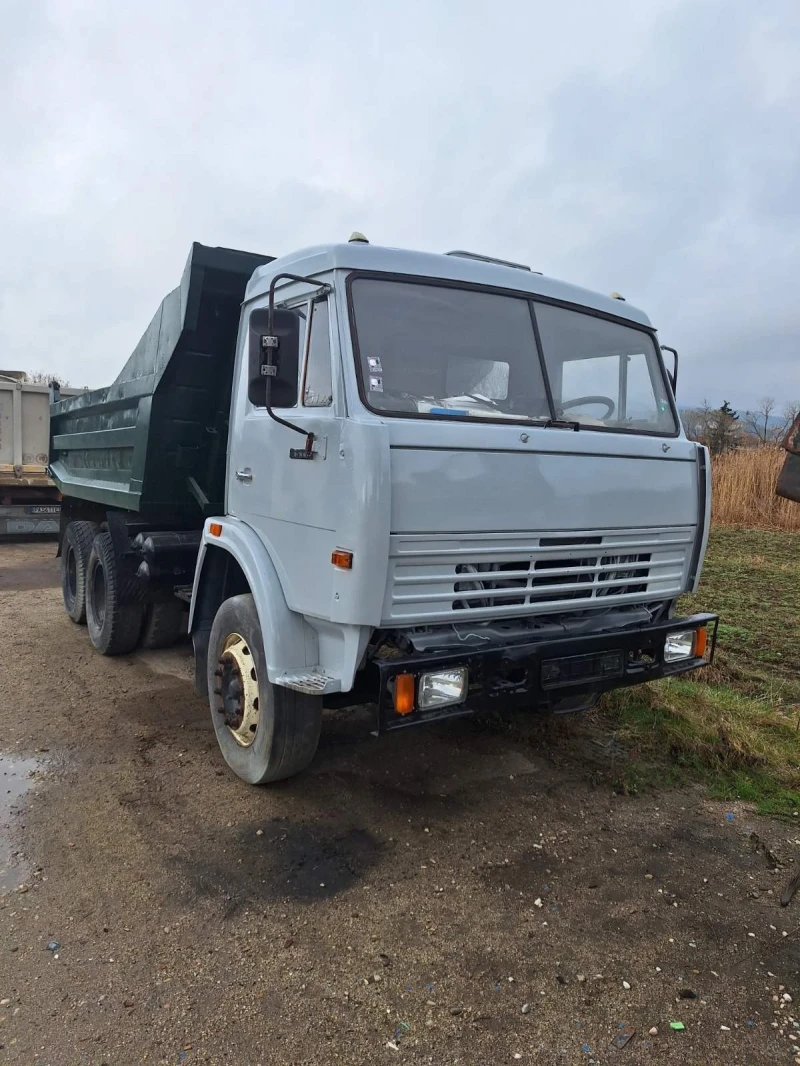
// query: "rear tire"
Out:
[266,732]
[162,624]
[114,627]
[75,551]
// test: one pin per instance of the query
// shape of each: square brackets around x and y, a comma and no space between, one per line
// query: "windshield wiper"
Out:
[561,423]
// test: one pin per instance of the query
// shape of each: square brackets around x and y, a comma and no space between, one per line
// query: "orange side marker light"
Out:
[701,642]
[404,693]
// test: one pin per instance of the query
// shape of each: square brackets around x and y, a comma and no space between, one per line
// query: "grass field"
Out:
[737,727]
[743,483]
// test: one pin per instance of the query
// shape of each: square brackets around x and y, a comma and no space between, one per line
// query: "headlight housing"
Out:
[442,688]
[680,644]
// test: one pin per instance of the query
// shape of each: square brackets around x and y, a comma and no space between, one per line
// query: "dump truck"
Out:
[424,483]
[29,499]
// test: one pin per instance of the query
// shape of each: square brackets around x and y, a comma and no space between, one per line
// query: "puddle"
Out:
[15,780]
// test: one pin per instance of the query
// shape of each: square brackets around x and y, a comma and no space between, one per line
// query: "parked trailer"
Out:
[29,499]
[431,482]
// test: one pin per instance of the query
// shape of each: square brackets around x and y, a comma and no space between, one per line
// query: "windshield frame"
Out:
[531,298]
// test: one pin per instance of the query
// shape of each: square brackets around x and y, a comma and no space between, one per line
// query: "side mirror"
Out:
[273,358]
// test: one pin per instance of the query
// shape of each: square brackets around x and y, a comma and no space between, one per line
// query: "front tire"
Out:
[266,732]
[75,552]
[114,626]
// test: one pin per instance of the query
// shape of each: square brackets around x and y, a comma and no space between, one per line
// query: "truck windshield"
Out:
[443,351]
[603,374]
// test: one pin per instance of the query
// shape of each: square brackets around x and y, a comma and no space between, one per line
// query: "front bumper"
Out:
[553,676]
[21,519]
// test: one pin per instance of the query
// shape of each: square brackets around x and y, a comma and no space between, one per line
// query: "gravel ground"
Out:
[470,894]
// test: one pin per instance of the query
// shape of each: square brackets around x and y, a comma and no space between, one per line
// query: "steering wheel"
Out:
[580,400]
[398,400]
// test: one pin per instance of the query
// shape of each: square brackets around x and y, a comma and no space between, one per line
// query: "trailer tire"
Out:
[162,626]
[266,732]
[75,551]
[114,626]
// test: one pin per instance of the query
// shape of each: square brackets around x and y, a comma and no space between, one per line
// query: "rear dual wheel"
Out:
[98,589]
[113,617]
[75,551]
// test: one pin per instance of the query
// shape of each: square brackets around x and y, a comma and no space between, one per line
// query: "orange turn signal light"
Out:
[404,693]
[701,642]
[342,559]
[215,529]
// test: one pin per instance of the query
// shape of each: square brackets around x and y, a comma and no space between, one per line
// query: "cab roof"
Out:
[360,256]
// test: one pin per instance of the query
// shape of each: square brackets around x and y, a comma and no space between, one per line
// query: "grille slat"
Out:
[447,577]
[450,578]
[406,550]
[487,593]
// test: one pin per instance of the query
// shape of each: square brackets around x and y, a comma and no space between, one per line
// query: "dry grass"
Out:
[743,484]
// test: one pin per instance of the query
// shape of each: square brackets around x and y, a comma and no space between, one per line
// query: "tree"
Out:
[716,427]
[766,424]
[725,433]
[696,422]
[40,377]
[790,412]
[763,423]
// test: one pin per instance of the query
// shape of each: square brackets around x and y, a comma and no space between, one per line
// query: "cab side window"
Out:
[317,379]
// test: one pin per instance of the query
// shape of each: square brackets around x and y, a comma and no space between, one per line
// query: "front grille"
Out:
[449,578]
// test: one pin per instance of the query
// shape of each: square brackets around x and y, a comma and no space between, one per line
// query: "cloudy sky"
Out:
[649,147]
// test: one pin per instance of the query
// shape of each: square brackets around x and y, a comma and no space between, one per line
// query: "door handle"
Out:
[244,475]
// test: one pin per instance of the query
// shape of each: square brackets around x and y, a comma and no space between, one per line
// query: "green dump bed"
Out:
[155,441]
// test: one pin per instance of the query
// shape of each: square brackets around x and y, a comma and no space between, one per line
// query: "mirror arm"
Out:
[269,344]
[674,375]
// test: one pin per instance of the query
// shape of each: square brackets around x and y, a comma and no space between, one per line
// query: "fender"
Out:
[290,644]
[703,516]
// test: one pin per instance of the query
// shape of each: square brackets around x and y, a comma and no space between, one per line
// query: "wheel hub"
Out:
[237,689]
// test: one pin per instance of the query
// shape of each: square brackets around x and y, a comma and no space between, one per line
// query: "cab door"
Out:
[289,501]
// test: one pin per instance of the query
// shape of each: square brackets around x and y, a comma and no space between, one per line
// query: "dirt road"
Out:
[470,894]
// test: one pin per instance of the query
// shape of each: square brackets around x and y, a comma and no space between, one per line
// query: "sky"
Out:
[646,147]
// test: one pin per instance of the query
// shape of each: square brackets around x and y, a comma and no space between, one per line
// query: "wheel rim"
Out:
[72,574]
[99,594]
[236,690]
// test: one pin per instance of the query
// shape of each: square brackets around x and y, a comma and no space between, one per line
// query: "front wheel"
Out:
[266,732]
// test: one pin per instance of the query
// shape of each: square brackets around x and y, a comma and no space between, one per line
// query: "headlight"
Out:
[679,645]
[442,688]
